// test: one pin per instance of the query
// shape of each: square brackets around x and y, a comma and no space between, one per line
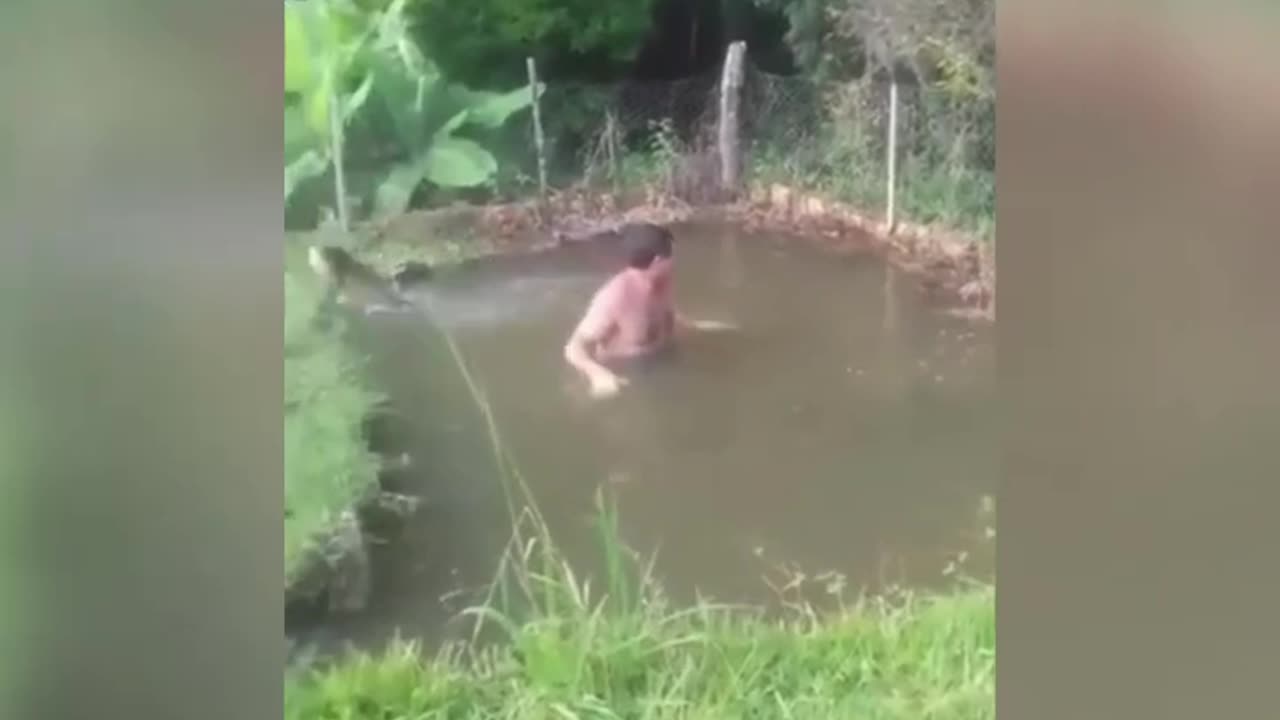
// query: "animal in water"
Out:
[355,283]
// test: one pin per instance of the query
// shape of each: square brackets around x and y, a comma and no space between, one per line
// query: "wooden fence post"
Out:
[730,99]
[890,219]
[610,146]
[537,131]
[336,130]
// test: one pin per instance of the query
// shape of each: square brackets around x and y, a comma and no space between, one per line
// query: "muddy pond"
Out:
[844,427]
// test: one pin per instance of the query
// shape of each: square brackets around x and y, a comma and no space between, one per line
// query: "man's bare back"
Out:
[628,317]
[632,315]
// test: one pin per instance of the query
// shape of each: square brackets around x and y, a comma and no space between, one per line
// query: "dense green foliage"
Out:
[485,42]
[421,127]
[429,116]
[827,129]
[322,43]
[834,40]
[413,135]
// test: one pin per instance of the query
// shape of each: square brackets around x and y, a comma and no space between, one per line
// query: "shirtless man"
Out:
[633,316]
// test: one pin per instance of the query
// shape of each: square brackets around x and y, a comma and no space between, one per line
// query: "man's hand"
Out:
[606,384]
[712,325]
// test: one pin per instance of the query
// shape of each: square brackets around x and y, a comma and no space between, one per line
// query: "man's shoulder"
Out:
[603,310]
[612,290]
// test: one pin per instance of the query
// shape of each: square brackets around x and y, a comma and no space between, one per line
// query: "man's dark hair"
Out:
[642,243]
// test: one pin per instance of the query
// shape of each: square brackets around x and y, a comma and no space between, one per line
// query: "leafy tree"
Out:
[483,42]
[940,39]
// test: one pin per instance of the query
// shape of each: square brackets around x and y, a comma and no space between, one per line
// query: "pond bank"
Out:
[334,468]
[953,270]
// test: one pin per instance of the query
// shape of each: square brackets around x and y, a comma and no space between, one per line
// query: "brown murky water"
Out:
[844,427]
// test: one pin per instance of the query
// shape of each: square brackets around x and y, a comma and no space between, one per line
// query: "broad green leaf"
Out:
[356,100]
[458,162]
[317,105]
[491,110]
[396,90]
[395,191]
[439,104]
[449,162]
[451,125]
[341,24]
[415,61]
[298,138]
[392,25]
[299,72]
[308,165]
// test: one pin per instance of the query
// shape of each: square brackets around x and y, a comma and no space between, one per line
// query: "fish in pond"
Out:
[354,282]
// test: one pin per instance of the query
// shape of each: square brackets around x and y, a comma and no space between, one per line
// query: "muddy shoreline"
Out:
[953,271]
[336,574]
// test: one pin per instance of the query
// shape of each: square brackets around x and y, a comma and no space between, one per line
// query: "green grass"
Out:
[929,192]
[613,647]
[567,651]
[326,462]
[917,658]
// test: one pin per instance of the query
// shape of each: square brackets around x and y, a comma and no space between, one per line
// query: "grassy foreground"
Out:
[628,654]
[326,461]
[931,658]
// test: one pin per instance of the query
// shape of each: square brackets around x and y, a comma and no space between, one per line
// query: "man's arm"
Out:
[683,323]
[594,328]
[688,324]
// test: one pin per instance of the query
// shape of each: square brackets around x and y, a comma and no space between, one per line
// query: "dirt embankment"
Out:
[334,575]
[952,270]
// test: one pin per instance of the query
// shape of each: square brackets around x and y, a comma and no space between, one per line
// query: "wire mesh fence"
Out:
[834,139]
[613,135]
[828,138]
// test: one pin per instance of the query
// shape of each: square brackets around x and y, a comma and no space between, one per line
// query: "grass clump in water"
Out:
[327,464]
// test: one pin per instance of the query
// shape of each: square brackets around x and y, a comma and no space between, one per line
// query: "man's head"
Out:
[648,248]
